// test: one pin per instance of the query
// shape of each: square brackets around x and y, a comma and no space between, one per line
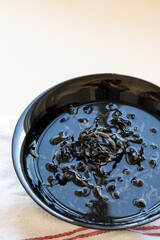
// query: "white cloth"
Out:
[21,218]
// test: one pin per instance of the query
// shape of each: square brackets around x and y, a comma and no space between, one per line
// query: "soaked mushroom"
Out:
[139,203]
[84,158]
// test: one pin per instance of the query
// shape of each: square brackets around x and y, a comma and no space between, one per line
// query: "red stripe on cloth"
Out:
[152,234]
[147,228]
[58,235]
[85,235]
[94,233]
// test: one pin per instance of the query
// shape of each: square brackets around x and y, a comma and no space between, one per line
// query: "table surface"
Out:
[48,41]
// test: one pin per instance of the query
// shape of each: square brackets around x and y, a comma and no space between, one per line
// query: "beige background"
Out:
[45,42]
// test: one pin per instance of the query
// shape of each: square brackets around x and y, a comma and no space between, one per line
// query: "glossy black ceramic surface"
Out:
[42,112]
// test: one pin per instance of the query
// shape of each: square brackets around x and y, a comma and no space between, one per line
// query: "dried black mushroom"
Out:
[82,193]
[83,120]
[139,203]
[140,168]
[111,188]
[82,160]
[120,179]
[153,130]
[51,167]
[64,119]
[136,182]
[153,146]
[131,116]
[50,180]
[88,109]
[116,114]
[80,167]
[152,163]
[126,171]
[55,141]
[115,195]
[62,179]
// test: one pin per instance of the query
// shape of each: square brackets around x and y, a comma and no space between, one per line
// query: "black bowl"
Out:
[78,91]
